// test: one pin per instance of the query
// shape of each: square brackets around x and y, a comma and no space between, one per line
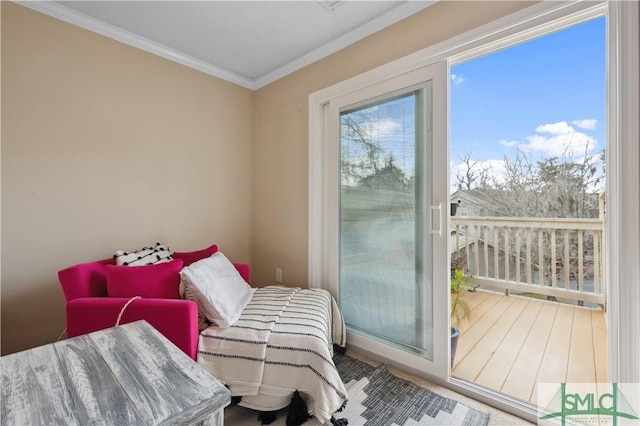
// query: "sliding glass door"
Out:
[384,255]
[391,174]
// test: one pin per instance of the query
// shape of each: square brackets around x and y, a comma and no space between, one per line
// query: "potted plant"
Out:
[458,261]
[460,310]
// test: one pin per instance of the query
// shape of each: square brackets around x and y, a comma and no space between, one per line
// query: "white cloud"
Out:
[507,143]
[558,139]
[586,123]
[497,169]
[457,78]
[379,128]
[558,128]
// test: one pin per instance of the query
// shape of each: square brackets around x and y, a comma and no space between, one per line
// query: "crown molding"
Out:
[88,23]
[84,21]
[371,27]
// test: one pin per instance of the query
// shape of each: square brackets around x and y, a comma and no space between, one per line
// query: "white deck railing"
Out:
[551,257]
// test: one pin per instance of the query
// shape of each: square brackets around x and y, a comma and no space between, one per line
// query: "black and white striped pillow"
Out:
[144,256]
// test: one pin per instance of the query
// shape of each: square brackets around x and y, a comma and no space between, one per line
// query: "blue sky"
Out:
[543,96]
[540,95]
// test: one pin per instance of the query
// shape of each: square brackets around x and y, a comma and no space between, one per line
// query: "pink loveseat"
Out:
[90,309]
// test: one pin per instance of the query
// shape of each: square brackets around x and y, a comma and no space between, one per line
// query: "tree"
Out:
[359,154]
[364,163]
[389,177]
[561,187]
[472,174]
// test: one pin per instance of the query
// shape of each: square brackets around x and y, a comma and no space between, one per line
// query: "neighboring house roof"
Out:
[490,202]
[481,199]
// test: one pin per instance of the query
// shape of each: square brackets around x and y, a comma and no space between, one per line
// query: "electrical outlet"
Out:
[278,275]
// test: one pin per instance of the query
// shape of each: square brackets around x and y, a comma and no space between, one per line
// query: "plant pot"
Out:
[455,333]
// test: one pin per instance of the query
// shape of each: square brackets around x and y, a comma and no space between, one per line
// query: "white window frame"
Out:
[623,161]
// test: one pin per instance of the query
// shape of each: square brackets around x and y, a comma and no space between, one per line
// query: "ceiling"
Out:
[250,43]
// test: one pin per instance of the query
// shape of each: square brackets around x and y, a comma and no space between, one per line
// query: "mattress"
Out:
[282,342]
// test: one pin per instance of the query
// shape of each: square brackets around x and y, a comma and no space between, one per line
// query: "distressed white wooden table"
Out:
[127,375]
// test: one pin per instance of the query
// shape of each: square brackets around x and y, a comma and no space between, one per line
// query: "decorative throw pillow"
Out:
[187,294]
[160,281]
[188,257]
[145,256]
[218,288]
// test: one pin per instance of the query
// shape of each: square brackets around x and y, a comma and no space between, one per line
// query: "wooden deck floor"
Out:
[513,342]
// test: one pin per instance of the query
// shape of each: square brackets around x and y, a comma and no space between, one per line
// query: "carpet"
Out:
[378,398]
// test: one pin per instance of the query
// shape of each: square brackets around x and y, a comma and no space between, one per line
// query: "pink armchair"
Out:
[90,309]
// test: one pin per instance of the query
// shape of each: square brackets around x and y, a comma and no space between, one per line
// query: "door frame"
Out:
[623,160]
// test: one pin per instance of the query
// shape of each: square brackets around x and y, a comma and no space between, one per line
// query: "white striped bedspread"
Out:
[282,342]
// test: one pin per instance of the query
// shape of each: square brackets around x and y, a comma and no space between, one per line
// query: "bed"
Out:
[268,342]
[283,341]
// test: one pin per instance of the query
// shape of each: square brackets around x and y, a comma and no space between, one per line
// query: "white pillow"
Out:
[218,288]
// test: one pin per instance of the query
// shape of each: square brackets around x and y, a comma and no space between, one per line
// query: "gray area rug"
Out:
[377,397]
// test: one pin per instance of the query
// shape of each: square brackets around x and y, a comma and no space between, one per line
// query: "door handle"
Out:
[436,219]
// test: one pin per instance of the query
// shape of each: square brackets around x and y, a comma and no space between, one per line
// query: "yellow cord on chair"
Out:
[125,307]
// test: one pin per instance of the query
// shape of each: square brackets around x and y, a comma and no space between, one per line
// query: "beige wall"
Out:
[107,147]
[281,128]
